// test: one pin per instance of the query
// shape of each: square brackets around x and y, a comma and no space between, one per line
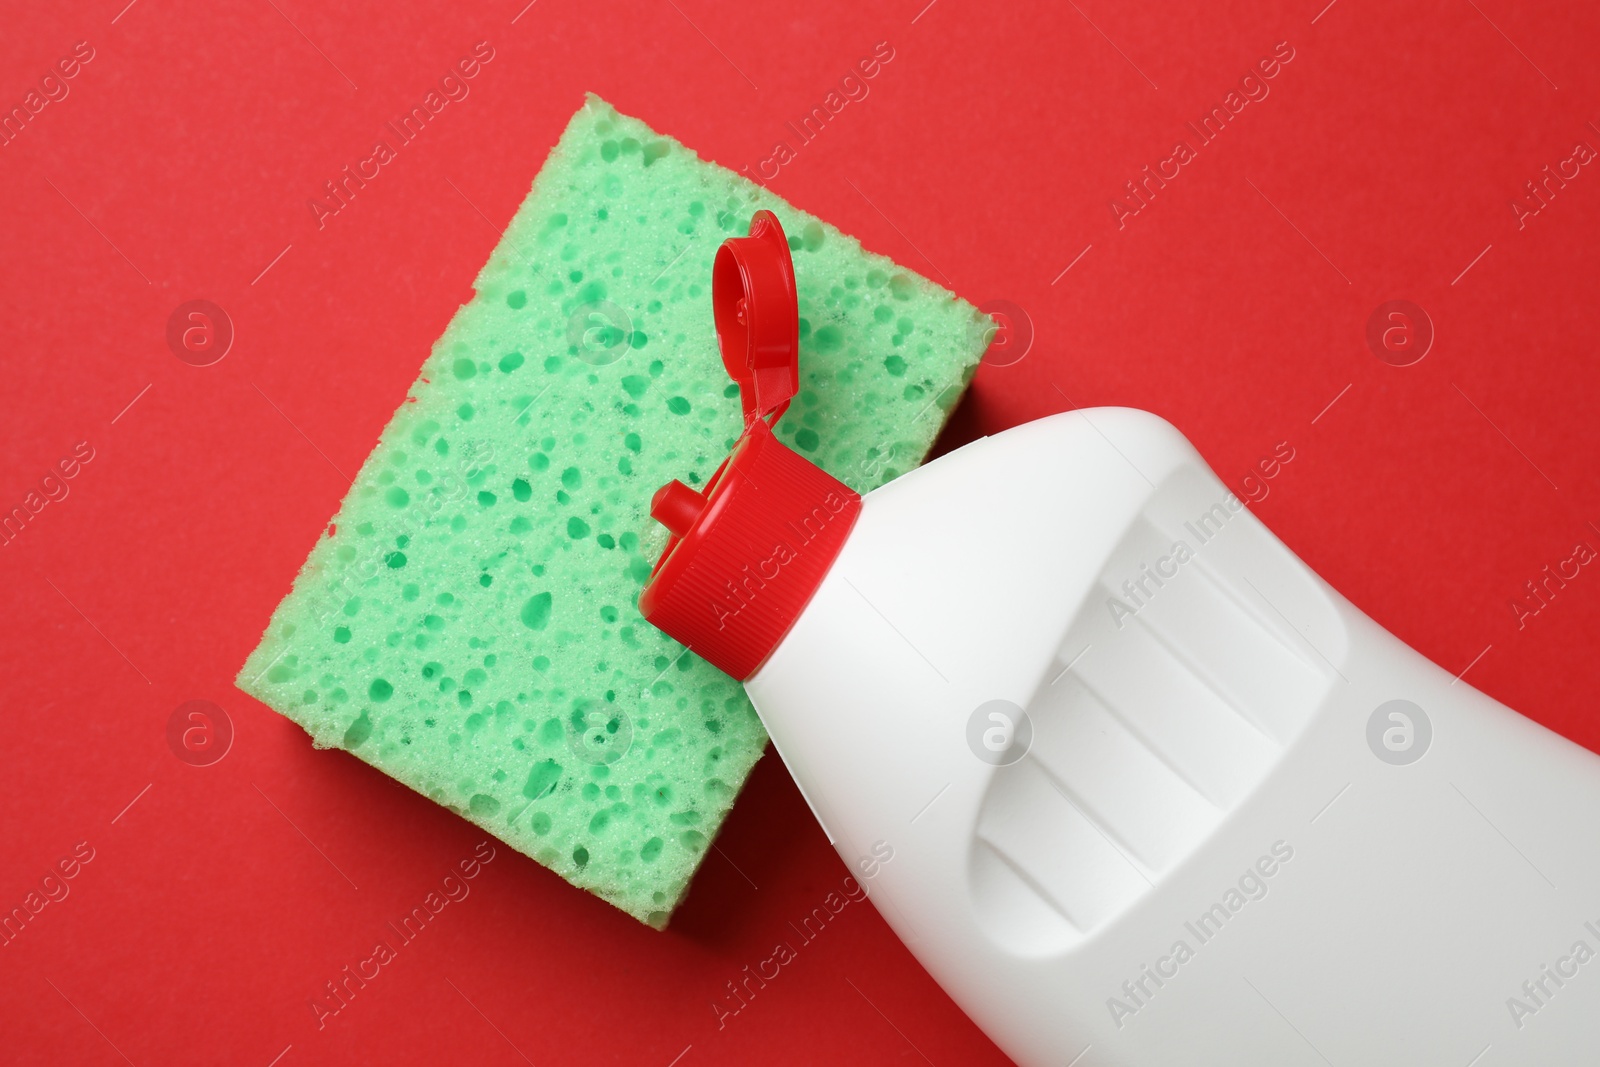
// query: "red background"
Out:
[1382,166]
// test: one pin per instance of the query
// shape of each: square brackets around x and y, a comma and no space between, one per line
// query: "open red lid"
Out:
[758,317]
[748,552]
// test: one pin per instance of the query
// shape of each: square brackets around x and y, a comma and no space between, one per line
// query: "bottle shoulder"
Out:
[1147,446]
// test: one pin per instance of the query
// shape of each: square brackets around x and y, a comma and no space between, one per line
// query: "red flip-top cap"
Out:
[746,555]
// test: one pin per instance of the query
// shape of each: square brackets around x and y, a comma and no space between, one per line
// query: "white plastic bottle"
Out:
[1133,783]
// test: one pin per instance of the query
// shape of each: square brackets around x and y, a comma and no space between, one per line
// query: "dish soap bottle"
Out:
[1133,783]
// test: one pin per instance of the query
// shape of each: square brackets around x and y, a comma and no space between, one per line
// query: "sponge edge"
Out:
[469,623]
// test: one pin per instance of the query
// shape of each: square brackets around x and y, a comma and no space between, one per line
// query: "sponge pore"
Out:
[468,625]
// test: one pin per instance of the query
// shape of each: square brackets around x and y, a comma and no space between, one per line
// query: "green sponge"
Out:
[468,624]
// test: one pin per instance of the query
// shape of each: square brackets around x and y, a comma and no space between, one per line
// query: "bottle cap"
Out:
[747,553]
